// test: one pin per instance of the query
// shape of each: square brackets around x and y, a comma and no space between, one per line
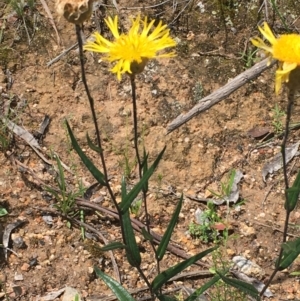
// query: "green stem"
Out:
[135,124]
[92,107]
[286,183]
[140,165]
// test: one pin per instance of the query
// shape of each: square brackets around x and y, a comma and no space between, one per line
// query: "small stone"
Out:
[25,267]
[246,230]
[230,252]
[19,277]
[70,294]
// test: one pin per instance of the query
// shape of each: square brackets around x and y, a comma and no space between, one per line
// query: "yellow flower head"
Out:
[131,51]
[285,49]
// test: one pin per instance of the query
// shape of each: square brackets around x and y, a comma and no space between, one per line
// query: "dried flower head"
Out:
[75,11]
[132,51]
[285,49]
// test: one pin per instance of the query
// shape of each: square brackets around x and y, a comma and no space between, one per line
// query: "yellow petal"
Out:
[267,33]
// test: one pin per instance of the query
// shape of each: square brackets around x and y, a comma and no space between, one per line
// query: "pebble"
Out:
[70,294]
[247,267]
[25,267]
[230,252]
[246,230]
[19,277]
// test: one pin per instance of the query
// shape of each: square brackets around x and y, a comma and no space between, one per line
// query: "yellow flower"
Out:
[131,51]
[285,49]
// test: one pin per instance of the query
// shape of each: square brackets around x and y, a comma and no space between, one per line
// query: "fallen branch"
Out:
[215,97]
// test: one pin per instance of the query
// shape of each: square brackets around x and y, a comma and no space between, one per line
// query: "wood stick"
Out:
[215,97]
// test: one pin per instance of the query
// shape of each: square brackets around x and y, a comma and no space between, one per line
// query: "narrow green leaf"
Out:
[92,145]
[145,168]
[126,203]
[86,161]
[293,195]
[123,188]
[112,246]
[118,290]
[132,250]
[291,250]
[161,250]
[245,287]
[163,277]
[166,298]
[203,288]
[147,235]
[61,182]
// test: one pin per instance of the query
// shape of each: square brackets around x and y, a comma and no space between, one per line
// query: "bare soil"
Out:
[212,48]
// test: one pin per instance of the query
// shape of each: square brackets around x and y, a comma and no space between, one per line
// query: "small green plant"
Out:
[66,199]
[3,211]
[20,6]
[277,121]
[136,206]
[4,139]
[222,291]
[226,187]
[198,92]
[205,229]
[248,57]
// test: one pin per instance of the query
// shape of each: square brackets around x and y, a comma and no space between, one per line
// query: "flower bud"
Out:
[75,11]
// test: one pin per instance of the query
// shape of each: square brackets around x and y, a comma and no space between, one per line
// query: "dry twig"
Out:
[215,97]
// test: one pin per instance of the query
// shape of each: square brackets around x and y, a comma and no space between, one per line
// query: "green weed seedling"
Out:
[136,206]
[19,6]
[222,291]
[204,228]
[3,212]
[248,57]
[66,199]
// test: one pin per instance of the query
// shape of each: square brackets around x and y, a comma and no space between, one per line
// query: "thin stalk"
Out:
[279,15]
[91,102]
[135,125]
[291,96]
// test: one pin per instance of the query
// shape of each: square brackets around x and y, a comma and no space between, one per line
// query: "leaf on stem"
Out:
[291,250]
[167,236]
[92,145]
[127,201]
[86,161]
[293,195]
[203,288]
[112,246]
[163,277]
[132,250]
[118,290]
[247,288]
